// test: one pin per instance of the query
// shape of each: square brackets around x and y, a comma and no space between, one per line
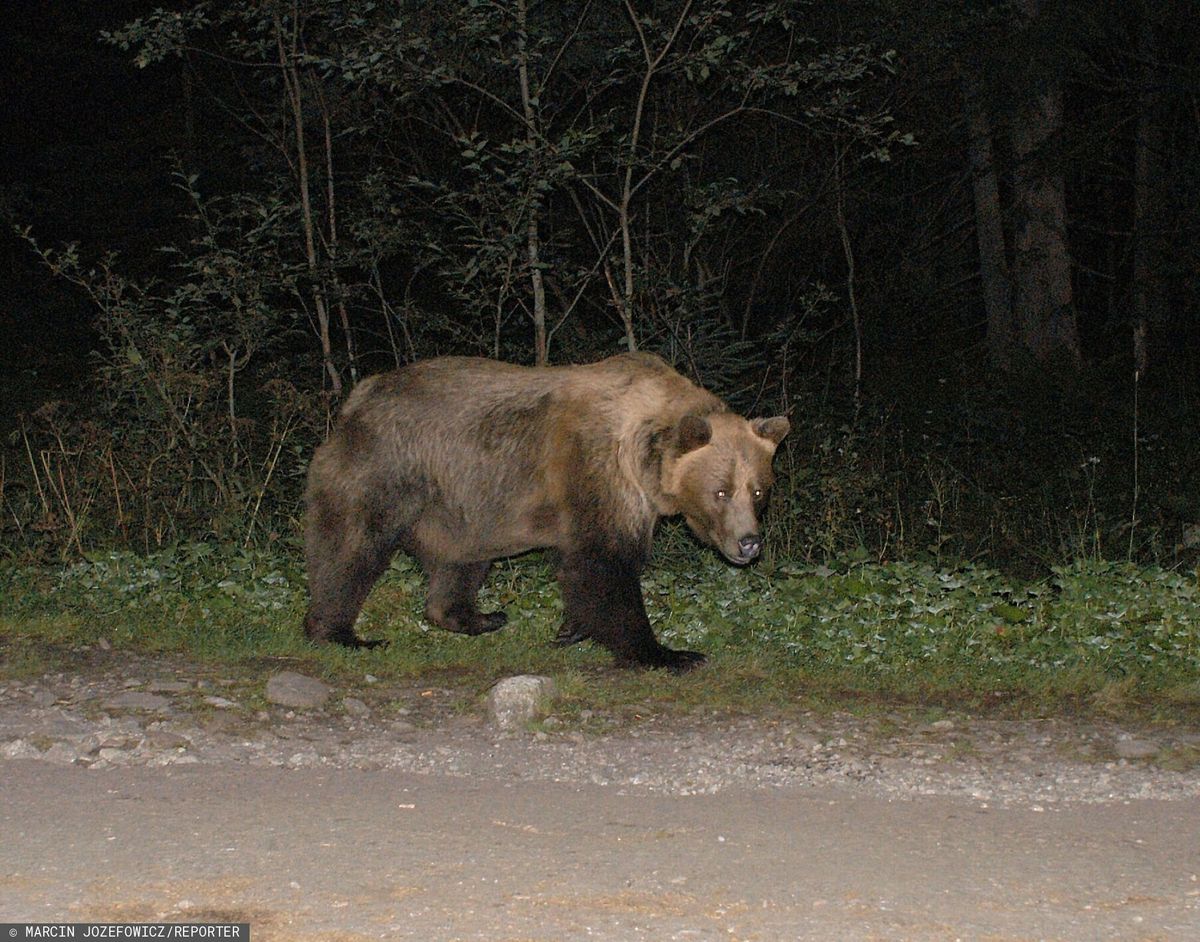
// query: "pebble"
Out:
[20,749]
[1033,764]
[515,701]
[1135,748]
[168,686]
[136,700]
[298,691]
[165,739]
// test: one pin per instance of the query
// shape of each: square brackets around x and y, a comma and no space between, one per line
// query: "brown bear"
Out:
[459,461]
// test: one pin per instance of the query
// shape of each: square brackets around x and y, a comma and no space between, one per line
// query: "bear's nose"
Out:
[750,546]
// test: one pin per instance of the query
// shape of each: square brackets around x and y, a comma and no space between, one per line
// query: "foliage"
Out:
[367,184]
[899,630]
[179,440]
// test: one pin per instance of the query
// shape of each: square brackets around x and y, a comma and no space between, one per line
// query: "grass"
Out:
[1095,637]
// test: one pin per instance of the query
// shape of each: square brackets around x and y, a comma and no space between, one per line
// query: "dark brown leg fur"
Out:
[602,600]
[451,600]
[343,565]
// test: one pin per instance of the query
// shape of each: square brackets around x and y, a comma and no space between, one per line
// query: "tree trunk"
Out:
[292,84]
[541,349]
[332,242]
[989,227]
[1149,198]
[848,252]
[1045,317]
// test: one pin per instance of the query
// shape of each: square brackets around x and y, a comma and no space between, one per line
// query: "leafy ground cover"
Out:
[1094,636]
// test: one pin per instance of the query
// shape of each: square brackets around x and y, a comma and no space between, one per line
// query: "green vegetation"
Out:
[821,209]
[1092,637]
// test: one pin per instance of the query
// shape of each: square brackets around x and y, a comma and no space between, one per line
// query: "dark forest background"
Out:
[956,242]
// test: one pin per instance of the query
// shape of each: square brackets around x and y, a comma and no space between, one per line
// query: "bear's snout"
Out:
[750,546]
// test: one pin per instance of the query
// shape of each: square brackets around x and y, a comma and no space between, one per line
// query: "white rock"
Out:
[515,701]
[20,749]
[1135,748]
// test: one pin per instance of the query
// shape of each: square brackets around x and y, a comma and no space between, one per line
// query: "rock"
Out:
[168,686]
[118,742]
[220,703]
[515,701]
[61,724]
[1135,749]
[356,707]
[302,760]
[290,689]
[62,753]
[165,739]
[136,700]
[44,698]
[20,749]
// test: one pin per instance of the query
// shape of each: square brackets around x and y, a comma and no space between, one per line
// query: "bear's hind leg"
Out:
[450,603]
[602,600]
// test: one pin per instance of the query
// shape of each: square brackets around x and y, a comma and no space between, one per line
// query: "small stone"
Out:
[168,686]
[515,701]
[220,703]
[44,698]
[136,700]
[165,739]
[356,707]
[1135,748]
[305,759]
[942,725]
[61,752]
[290,689]
[20,749]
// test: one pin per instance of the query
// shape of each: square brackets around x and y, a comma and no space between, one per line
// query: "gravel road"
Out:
[157,792]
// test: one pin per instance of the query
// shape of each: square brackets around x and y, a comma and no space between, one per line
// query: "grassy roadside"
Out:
[1096,637]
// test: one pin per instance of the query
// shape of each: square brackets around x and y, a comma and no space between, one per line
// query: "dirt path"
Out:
[141,789]
[342,854]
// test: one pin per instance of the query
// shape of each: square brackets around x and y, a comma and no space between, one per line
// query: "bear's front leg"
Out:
[602,600]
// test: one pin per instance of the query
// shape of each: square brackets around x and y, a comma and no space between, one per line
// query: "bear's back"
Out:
[622,390]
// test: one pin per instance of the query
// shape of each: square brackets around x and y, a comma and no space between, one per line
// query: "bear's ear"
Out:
[773,429]
[693,432]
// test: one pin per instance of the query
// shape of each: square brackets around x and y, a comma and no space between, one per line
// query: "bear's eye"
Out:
[722,494]
[758,493]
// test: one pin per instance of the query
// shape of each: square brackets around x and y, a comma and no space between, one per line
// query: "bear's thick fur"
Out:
[460,461]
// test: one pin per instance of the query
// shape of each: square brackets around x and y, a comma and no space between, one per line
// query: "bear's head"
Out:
[717,473]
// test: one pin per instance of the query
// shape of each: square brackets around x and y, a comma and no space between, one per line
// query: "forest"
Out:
[956,243]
